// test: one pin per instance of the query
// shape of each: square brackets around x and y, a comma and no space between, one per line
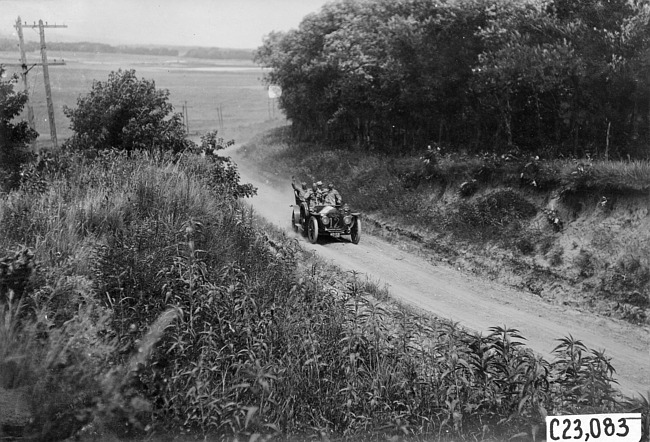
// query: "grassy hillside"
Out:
[138,297]
[574,232]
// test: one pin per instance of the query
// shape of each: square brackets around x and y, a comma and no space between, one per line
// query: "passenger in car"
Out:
[321,193]
[313,197]
[302,191]
[332,196]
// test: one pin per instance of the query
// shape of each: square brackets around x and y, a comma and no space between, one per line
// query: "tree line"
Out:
[558,77]
[84,46]
[10,45]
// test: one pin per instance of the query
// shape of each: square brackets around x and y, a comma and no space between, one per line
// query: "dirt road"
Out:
[475,303]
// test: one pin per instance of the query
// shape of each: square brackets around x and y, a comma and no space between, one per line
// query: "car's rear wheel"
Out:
[312,230]
[294,221]
[355,231]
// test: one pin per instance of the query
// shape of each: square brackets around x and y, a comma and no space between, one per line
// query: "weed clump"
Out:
[490,216]
[628,281]
[525,246]
[605,177]
[585,264]
[556,256]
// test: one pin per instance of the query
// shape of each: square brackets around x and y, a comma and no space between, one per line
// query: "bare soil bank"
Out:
[597,262]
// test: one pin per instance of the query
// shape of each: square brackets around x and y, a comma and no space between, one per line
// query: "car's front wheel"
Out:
[355,231]
[312,230]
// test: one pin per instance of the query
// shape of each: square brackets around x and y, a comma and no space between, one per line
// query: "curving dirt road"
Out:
[475,303]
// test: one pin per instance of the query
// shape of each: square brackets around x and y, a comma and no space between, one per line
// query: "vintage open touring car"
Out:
[333,221]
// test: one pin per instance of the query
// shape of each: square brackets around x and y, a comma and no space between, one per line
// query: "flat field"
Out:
[231,89]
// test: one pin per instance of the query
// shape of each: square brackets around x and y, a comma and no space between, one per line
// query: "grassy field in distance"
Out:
[206,86]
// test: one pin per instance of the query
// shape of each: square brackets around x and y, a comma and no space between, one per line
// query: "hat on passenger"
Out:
[319,183]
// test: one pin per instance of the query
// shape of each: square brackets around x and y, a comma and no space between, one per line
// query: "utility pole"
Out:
[23,74]
[46,73]
[46,78]
[186,118]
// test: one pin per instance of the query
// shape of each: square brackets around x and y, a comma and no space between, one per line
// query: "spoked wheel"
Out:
[355,232]
[312,230]
[294,222]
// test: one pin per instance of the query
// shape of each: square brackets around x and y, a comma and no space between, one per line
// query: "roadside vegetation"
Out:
[571,231]
[15,136]
[139,298]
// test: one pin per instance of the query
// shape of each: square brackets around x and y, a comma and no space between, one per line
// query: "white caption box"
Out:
[614,427]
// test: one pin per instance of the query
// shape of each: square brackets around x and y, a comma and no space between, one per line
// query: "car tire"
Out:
[355,231]
[312,230]
[294,221]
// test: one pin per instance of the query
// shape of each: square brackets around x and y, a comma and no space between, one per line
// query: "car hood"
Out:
[328,210]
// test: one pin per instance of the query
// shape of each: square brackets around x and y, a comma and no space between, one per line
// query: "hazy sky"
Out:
[222,23]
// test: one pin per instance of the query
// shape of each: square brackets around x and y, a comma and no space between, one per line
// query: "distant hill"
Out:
[8,44]
[220,53]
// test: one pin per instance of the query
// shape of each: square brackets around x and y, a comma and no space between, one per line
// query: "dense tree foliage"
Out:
[126,113]
[15,137]
[561,77]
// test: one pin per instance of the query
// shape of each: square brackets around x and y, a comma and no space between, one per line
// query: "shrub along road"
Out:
[475,303]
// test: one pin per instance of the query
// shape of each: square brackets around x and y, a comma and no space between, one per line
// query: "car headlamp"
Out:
[325,220]
[347,220]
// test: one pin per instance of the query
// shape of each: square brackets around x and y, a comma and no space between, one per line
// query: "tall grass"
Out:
[606,176]
[100,231]
[155,304]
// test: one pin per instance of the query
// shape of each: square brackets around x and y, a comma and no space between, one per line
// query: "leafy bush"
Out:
[540,175]
[525,245]
[491,214]
[126,113]
[59,361]
[14,137]
[584,261]
[628,281]
[15,272]
[583,378]
[211,144]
